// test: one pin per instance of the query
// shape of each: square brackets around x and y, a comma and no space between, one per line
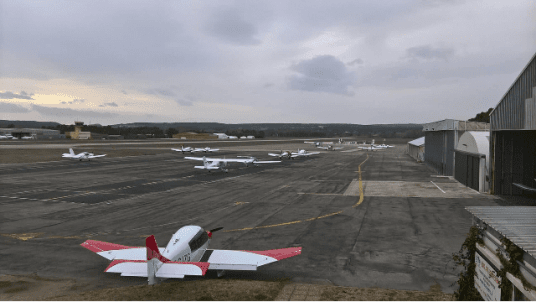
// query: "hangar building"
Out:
[416,149]
[33,132]
[471,160]
[441,140]
[513,137]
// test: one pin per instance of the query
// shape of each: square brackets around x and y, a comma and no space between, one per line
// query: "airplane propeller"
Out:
[209,233]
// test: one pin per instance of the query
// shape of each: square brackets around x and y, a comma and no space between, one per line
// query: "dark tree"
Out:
[482,116]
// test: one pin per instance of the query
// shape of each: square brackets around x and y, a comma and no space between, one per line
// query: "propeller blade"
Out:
[216,229]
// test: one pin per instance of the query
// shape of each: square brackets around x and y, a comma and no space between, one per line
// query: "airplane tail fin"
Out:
[71,151]
[154,259]
[205,162]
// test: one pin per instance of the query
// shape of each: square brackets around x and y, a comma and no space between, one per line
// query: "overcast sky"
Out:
[360,62]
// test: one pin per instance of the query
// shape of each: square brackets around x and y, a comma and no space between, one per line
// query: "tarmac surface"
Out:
[398,232]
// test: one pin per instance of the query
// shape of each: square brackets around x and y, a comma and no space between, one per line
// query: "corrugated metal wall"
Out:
[514,161]
[434,146]
[440,146]
[510,112]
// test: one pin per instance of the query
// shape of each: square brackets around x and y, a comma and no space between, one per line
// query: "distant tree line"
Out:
[482,116]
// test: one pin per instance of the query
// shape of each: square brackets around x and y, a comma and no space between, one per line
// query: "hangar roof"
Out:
[515,223]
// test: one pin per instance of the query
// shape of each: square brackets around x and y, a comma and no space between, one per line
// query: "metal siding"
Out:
[461,168]
[434,148]
[449,163]
[476,173]
[509,114]
[514,162]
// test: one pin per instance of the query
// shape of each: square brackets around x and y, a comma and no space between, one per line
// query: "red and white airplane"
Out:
[187,253]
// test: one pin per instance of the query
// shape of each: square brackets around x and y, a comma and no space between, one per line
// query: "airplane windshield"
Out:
[199,239]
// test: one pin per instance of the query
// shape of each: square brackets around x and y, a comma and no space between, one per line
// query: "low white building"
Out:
[221,135]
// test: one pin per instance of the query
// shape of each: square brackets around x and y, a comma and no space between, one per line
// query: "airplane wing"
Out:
[311,153]
[246,260]
[113,251]
[273,154]
[196,158]
[213,150]
[95,156]
[178,150]
[267,161]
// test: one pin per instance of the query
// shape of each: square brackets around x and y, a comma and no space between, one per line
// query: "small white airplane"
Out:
[221,163]
[314,143]
[182,149]
[371,148]
[330,148]
[3,137]
[384,146]
[80,156]
[286,154]
[186,254]
[206,149]
[27,137]
[302,153]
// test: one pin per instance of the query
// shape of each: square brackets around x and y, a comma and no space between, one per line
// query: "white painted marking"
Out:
[437,186]
[353,188]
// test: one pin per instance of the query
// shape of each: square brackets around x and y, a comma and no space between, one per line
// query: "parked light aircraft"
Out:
[314,143]
[80,156]
[206,149]
[371,148]
[3,137]
[182,149]
[186,254]
[286,154]
[221,163]
[330,148]
[302,153]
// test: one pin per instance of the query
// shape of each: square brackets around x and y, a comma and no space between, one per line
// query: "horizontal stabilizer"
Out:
[138,268]
[248,260]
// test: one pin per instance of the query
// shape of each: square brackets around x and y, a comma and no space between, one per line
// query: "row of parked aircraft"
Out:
[9,136]
[192,150]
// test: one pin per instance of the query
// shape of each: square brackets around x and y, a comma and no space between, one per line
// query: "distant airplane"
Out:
[186,254]
[371,148]
[3,137]
[80,156]
[314,143]
[302,153]
[182,149]
[221,163]
[206,149]
[27,137]
[330,148]
[286,154]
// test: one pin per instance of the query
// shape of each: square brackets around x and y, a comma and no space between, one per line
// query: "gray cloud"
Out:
[61,113]
[229,26]
[63,102]
[12,108]
[163,92]
[426,52]
[184,102]
[10,95]
[112,104]
[124,92]
[354,62]
[323,74]
[78,101]
[268,85]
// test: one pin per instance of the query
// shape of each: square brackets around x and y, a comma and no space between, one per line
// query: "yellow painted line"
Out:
[24,236]
[361,198]
[361,195]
